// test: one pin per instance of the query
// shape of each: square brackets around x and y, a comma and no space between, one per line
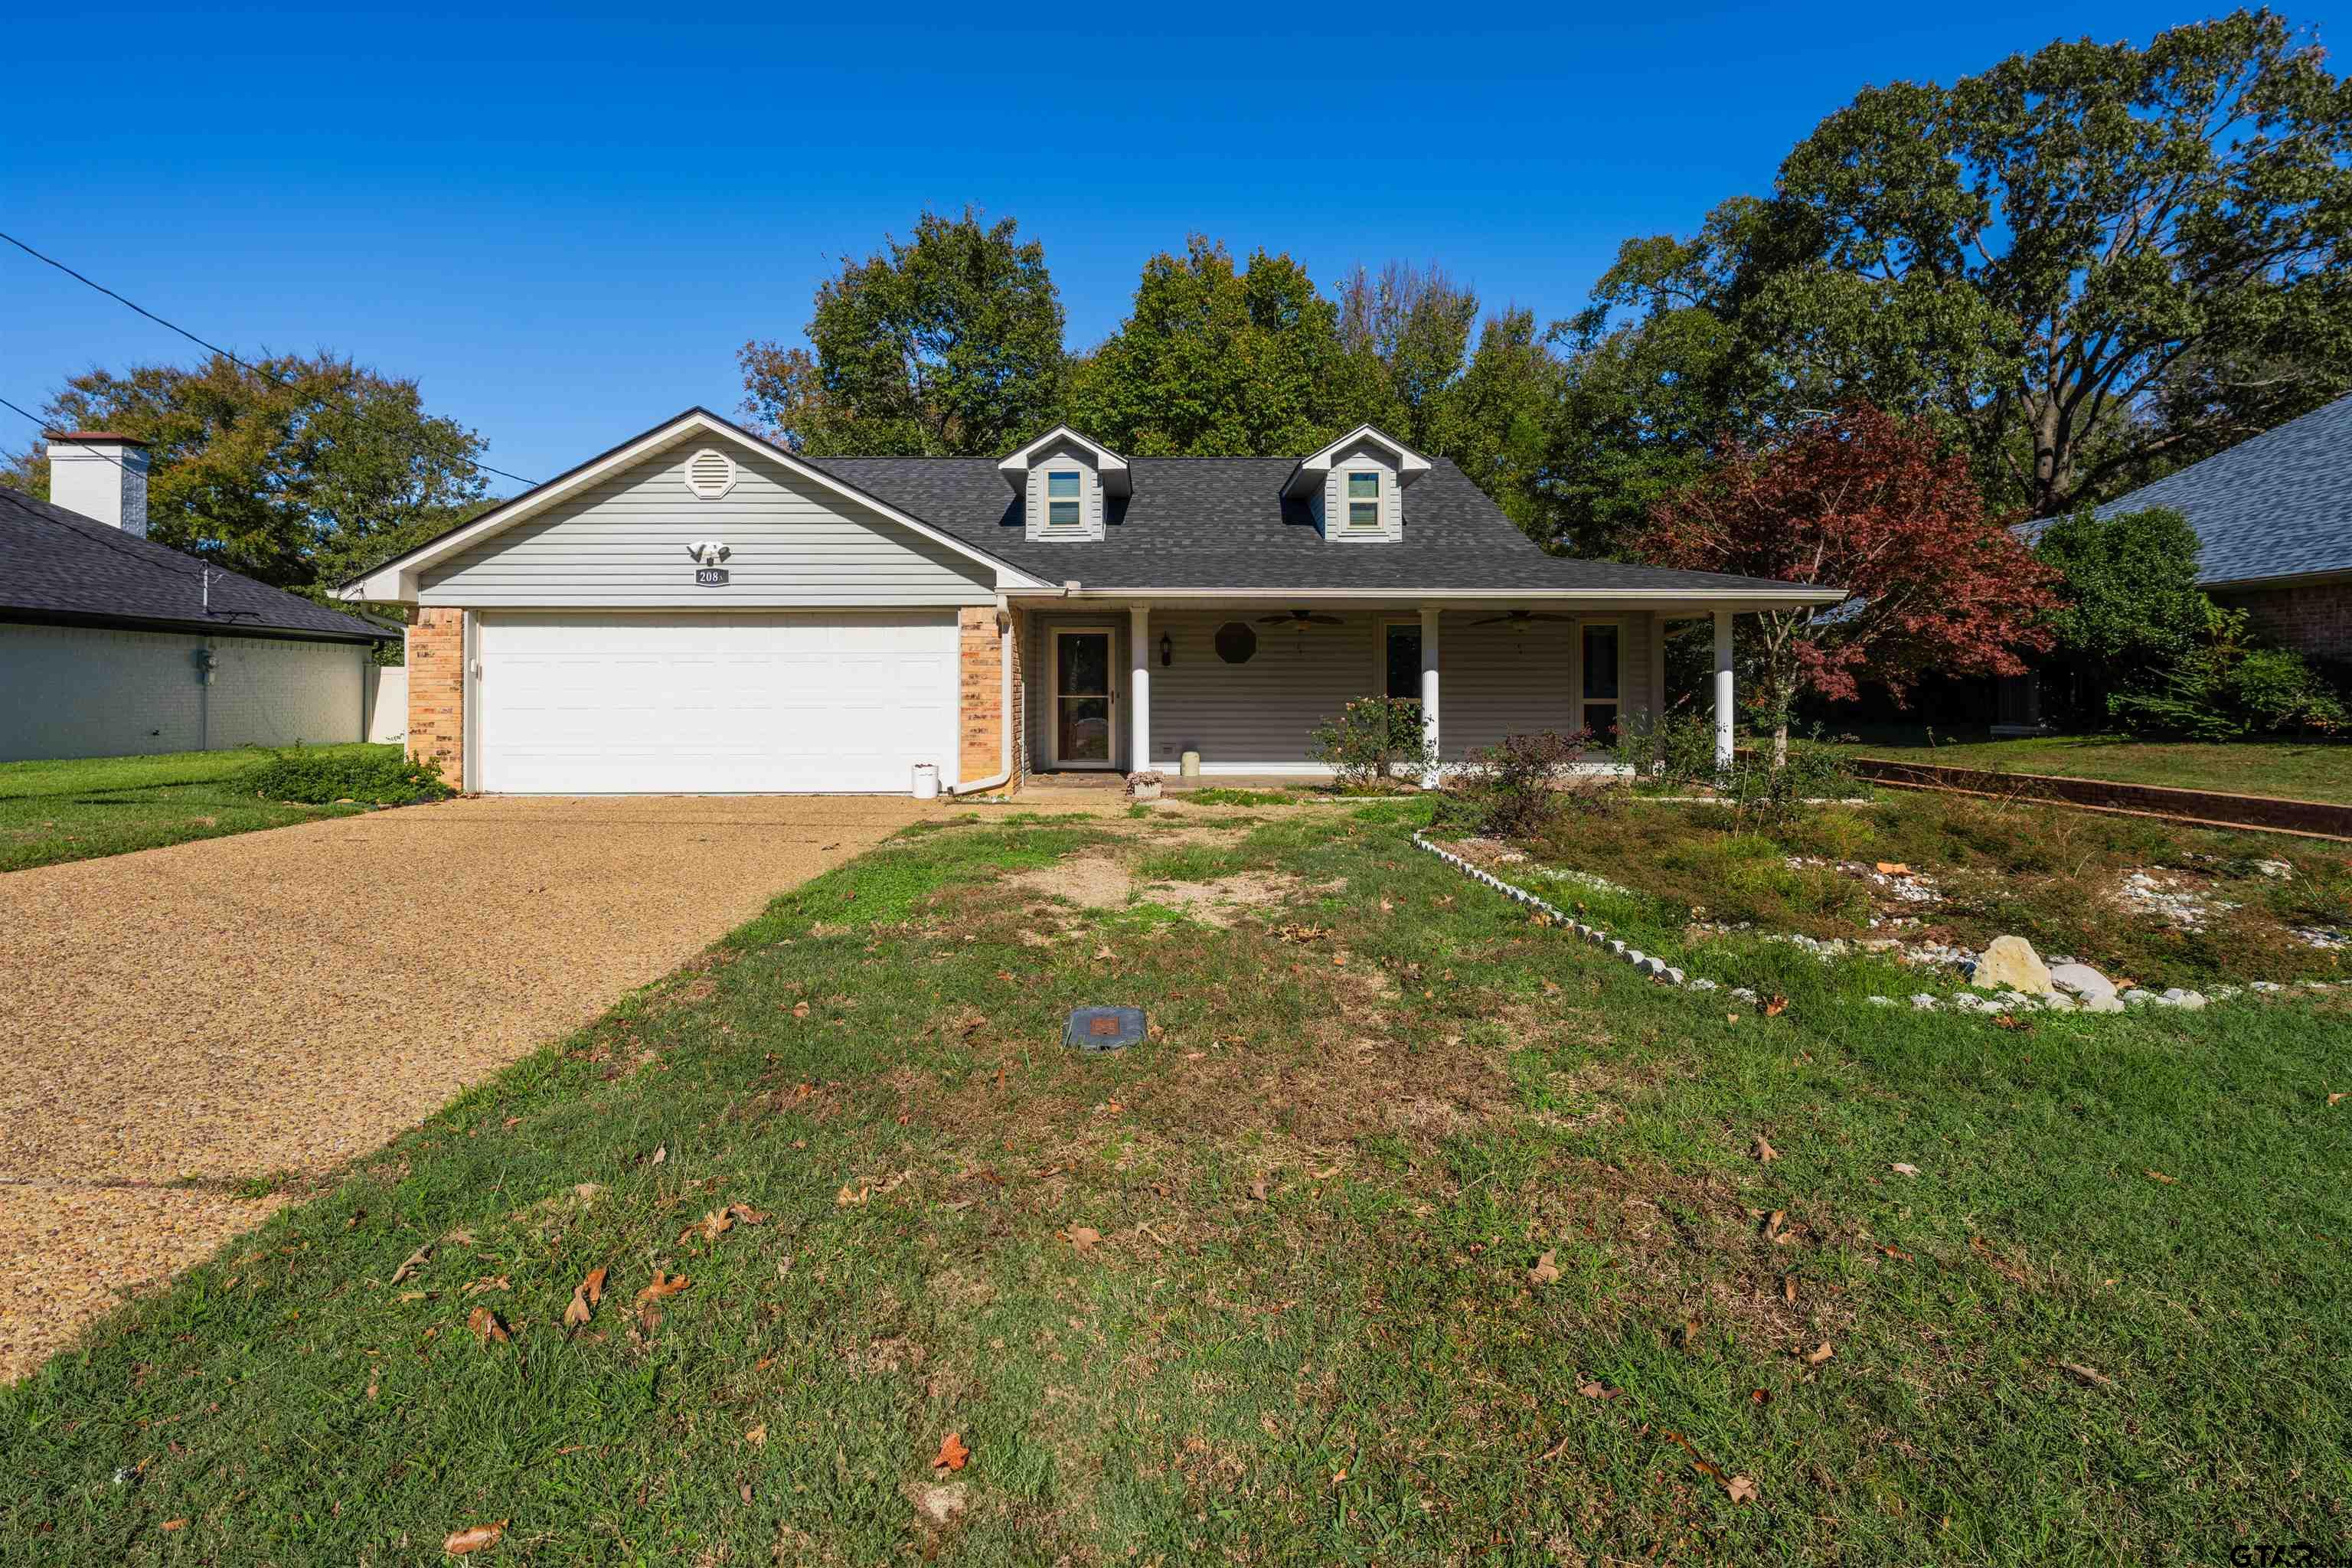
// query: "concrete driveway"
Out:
[177,1022]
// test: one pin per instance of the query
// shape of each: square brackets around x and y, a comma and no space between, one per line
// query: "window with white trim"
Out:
[1065,499]
[1363,499]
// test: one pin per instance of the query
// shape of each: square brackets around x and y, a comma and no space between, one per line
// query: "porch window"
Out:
[1364,499]
[1062,499]
[1597,689]
[1403,661]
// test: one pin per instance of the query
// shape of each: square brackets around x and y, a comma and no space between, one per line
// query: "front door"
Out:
[1083,698]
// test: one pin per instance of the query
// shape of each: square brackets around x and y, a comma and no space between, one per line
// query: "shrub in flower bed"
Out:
[380,776]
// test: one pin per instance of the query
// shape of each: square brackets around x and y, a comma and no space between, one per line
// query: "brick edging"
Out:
[2314,818]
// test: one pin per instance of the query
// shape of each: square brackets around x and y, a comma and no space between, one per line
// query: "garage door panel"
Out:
[754,704]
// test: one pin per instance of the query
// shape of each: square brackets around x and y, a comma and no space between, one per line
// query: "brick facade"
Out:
[980,722]
[2312,618]
[437,689]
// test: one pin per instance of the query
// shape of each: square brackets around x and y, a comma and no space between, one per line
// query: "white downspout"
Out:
[998,779]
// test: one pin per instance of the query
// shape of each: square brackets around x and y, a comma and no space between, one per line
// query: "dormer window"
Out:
[1355,487]
[1064,500]
[1064,484]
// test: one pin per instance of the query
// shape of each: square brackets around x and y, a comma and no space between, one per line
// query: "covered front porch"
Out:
[1123,687]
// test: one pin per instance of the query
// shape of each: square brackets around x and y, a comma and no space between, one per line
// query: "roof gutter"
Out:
[1794,595]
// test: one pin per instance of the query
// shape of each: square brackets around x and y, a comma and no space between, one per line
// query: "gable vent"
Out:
[710,473]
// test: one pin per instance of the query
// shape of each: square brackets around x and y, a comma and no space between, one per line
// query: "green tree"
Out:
[298,471]
[948,344]
[1502,422]
[2089,264]
[1407,329]
[1216,360]
[2128,608]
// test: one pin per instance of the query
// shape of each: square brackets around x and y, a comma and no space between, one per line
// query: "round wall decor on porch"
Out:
[1235,643]
[710,473]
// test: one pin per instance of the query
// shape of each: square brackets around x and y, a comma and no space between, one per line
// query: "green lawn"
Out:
[1260,1290]
[84,808]
[2295,770]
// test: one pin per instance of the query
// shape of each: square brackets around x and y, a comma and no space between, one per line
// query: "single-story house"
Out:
[2274,522]
[113,645]
[701,610]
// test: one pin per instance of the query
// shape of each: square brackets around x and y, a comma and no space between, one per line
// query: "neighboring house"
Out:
[112,644]
[2273,517]
[700,610]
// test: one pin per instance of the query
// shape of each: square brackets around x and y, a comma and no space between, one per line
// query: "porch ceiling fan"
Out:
[1520,618]
[1301,618]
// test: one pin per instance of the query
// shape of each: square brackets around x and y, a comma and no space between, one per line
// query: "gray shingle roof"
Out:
[1221,522]
[58,565]
[2279,505]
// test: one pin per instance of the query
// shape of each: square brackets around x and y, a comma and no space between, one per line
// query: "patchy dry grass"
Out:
[1259,1289]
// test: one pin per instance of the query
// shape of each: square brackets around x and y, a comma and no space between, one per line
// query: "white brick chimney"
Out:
[103,476]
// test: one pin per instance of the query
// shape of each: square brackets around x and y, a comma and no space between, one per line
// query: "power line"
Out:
[200,343]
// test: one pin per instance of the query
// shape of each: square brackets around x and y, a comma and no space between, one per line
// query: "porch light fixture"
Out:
[1167,650]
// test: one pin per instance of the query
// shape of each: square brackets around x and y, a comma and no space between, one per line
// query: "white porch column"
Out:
[1723,726]
[1429,619]
[1139,688]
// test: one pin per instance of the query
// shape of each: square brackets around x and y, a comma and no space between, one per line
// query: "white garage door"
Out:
[604,704]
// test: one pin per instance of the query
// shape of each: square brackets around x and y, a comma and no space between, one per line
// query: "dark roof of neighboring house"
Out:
[58,565]
[2279,505]
[1221,522]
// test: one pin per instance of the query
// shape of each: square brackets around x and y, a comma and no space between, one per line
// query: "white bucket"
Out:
[927,781]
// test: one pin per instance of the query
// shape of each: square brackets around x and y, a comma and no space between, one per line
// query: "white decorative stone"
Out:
[1880,1001]
[2073,979]
[1924,1003]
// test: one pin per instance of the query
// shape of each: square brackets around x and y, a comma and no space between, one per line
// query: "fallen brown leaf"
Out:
[744,1214]
[849,1195]
[1546,1272]
[953,1454]
[1900,1169]
[664,1285]
[2089,1376]
[709,1227]
[1083,1237]
[1893,868]
[1894,1252]
[1598,1391]
[415,1261]
[173,1524]
[2160,1177]
[1765,1153]
[486,1283]
[584,1297]
[1257,1188]
[473,1538]
[800,1009]
[1775,1006]
[2339,1095]
[1819,1354]
[758,1435]
[1739,1489]
[1686,1337]
[487,1325]
[1789,1289]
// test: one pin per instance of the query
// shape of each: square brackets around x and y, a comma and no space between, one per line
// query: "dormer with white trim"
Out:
[1356,486]
[1066,483]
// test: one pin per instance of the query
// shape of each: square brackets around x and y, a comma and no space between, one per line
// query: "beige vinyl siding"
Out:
[624,543]
[1494,681]
[1253,716]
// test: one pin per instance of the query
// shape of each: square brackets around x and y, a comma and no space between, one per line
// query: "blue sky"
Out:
[565,226]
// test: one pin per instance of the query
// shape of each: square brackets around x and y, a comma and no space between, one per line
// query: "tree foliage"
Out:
[1216,360]
[300,471]
[948,344]
[1874,505]
[2088,265]
[2127,605]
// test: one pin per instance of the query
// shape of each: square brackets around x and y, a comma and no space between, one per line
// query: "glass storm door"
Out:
[1082,699]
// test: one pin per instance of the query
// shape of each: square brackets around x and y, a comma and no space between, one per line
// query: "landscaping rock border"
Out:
[1988,1007]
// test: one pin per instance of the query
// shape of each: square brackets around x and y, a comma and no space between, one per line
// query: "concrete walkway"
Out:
[177,1022]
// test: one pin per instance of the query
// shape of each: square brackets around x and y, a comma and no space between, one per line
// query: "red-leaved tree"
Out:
[1868,502]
